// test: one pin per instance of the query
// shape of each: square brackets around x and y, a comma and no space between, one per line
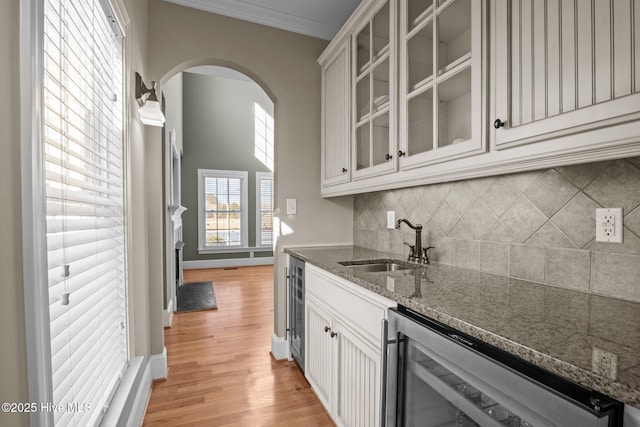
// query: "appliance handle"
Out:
[383,392]
[287,281]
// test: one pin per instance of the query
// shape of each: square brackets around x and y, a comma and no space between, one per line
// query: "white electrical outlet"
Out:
[391,220]
[609,225]
[604,363]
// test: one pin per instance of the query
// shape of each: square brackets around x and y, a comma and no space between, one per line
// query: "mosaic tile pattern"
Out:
[538,225]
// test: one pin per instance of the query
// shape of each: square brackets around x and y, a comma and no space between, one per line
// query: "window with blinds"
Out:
[264,209]
[84,189]
[264,146]
[223,208]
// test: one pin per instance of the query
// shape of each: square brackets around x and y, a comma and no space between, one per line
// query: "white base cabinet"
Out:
[343,352]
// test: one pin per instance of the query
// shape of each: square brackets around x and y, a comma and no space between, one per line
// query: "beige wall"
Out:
[13,369]
[285,65]
[13,387]
[140,157]
[537,225]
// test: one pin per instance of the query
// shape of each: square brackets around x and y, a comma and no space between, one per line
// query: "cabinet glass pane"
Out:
[454,34]
[420,56]
[420,123]
[363,147]
[381,85]
[415,8]
[381,32]
[362,98]
[364,49]
[454,109]
[380,132]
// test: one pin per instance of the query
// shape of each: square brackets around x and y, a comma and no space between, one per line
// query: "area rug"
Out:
[196,297]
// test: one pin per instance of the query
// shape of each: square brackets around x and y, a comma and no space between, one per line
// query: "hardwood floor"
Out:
[221,372]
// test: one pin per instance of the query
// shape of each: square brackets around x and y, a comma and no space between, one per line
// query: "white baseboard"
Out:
[231,262]
[158,364]
[167,315]
[280,347]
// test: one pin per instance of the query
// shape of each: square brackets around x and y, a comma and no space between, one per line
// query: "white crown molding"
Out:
[265,16]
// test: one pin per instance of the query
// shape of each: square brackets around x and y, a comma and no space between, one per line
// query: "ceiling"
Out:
[317,18]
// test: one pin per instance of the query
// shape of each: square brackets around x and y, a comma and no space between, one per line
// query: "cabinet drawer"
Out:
[354,303]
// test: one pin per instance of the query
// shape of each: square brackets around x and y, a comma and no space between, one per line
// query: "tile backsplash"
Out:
[537,226]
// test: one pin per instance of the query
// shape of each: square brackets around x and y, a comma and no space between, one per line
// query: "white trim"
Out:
[38,340]
[121,16]
[158,364]
[231,262]
[167,314]
[236,249]
[280,347]
[244,199]
[141,399]
[129,403]
[603,144]
[313,245]
[258,217]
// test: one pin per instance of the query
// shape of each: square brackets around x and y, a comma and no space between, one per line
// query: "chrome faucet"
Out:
[416,253]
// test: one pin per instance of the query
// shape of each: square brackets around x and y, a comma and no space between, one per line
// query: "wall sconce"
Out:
[149,111]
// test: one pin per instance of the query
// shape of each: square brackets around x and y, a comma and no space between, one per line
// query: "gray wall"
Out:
[218,118]
[538,226]
[172,92]
[285,65]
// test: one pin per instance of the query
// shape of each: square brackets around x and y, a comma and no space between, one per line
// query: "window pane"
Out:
[223,209]
[265,200]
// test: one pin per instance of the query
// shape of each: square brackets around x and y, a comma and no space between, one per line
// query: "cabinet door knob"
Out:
[333,334]
[388,157]
[344,170]
[401,153]
[327,329]
[498,124]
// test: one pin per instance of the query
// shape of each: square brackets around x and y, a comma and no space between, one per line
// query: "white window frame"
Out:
[34,242]
[266,156]
[244,217]
[261,176]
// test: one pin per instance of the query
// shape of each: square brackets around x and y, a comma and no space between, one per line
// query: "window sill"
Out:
[234,249]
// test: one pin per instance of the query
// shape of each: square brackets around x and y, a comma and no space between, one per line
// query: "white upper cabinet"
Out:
[441,80]
[565,67]
[336,115]
[374,94]
[442,90]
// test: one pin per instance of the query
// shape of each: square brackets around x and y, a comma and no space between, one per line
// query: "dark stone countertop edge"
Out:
[614,389]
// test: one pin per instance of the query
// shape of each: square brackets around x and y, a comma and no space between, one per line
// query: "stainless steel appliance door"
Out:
[296,309]
[435,381]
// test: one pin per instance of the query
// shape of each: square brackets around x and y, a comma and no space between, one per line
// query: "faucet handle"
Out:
[412,250]
[426,253]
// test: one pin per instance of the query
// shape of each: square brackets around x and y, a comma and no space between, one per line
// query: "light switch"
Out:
[291,207]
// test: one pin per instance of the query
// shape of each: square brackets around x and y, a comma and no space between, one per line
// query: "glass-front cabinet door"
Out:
[441,80]
[373,92]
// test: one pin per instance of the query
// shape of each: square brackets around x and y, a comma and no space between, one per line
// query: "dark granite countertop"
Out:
[554,328]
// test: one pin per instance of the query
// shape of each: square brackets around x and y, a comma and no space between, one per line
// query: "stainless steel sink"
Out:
[375,266]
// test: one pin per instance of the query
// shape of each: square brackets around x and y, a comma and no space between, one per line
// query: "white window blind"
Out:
[222,208]
[82,131]
[264,208]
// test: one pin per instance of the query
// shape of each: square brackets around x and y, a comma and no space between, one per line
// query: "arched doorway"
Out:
[220,129]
